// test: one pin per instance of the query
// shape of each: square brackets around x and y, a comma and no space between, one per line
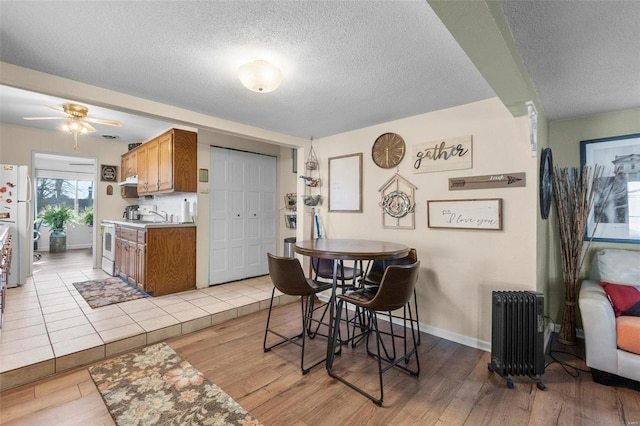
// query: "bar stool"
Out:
[323,268]
[347,280]
[288,277]
[395,291]
[374,275]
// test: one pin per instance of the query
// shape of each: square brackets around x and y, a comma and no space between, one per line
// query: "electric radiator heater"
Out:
[517,335]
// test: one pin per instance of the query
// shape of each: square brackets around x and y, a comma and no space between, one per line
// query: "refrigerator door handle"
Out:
[29,189]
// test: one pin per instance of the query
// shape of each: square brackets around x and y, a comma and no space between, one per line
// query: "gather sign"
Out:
[443,154]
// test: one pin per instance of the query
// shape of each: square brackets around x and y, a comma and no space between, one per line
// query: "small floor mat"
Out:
[108,291]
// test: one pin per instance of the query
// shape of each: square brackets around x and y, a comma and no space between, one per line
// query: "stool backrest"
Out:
[323,268]
[377,268]
[396,287]
[287,275]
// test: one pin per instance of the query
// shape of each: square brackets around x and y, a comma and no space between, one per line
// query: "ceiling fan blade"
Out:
[88,126]
[56,109]
[105,122]
[44,118]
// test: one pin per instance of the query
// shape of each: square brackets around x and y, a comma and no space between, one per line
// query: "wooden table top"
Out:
[351,249]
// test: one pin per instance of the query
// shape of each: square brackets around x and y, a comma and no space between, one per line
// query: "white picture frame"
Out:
[345,183]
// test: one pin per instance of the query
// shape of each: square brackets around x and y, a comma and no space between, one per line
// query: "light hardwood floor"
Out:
[454,387]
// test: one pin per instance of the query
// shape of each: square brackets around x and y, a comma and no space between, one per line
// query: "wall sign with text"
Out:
[108,173]
[443,154]
[483,214]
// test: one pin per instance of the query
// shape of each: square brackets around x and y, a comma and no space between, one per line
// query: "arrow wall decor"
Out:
[502,180]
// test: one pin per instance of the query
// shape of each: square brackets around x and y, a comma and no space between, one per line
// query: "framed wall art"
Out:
[345,183]
[108,173]
[615,213]
[485,214]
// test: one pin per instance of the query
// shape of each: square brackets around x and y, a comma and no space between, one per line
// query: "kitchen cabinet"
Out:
[129,167]
[158,259]
[148,168]
[167,163]
[127,255]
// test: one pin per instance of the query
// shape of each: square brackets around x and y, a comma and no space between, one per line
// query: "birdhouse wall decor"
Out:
[398,203]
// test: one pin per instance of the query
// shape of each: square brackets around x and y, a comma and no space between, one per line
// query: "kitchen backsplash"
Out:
[172,204]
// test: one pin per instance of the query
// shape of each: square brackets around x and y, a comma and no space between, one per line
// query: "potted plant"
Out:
[55,217]
[87,216]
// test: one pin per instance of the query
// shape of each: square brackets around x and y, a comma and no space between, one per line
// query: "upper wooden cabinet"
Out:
[129,165]
[148,168]
[167,163]
[129,168]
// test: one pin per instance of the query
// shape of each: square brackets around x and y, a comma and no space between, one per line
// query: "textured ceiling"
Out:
[583,56]
[346,65]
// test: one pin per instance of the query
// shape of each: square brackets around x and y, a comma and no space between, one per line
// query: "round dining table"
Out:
[347,249]
[350,249]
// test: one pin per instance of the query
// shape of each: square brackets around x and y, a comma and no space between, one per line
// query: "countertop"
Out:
[149,224]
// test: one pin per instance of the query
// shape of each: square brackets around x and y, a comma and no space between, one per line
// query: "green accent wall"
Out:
[564,140]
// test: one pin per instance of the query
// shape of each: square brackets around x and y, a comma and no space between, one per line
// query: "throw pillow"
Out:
[625,299]
[619,266]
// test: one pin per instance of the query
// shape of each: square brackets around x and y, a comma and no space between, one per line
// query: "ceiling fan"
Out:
[76,120]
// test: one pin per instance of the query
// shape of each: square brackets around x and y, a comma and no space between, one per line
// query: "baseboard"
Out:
[45,249]
[441,333]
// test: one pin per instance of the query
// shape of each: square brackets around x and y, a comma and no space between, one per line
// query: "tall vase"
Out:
[567,335]
[573,191]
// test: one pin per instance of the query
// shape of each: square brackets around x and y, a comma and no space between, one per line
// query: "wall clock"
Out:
[388,150]
[546,182]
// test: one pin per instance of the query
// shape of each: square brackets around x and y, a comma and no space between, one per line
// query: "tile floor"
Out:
[48,327]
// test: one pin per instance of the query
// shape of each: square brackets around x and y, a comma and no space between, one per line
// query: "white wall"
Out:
[459,268]
[18,144]
[79,236]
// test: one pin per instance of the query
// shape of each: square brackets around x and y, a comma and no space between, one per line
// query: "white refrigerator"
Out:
[15,211]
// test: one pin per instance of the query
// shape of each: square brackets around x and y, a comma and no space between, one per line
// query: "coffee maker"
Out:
[131,212]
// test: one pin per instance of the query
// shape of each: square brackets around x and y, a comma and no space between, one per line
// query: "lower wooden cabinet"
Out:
[159,260]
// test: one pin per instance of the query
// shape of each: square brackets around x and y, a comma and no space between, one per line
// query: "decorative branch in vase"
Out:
[574,189]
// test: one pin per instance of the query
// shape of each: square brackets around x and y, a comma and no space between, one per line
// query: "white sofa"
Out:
[609,364]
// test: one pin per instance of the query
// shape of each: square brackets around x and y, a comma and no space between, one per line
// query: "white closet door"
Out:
[237,217]
[219,210]
[243,214]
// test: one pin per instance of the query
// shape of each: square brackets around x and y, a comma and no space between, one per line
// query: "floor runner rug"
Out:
[155,386]
[108,291]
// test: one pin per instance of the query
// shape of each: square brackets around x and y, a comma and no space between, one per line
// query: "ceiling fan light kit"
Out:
[260,76]
[76,121]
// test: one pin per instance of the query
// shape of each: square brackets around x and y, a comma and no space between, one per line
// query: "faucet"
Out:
[164,217]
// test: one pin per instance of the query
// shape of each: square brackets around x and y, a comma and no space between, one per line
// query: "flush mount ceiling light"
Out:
[76,121]
[260,76]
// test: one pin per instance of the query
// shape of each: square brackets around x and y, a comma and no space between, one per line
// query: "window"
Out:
[74,193]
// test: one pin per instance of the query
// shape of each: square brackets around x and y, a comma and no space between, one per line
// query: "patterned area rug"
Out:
[155,386]
[108,291]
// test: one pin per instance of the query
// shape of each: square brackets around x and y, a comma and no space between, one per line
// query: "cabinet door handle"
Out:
[238,215]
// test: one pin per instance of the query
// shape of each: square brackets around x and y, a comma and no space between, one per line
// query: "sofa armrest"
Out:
[599,325]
